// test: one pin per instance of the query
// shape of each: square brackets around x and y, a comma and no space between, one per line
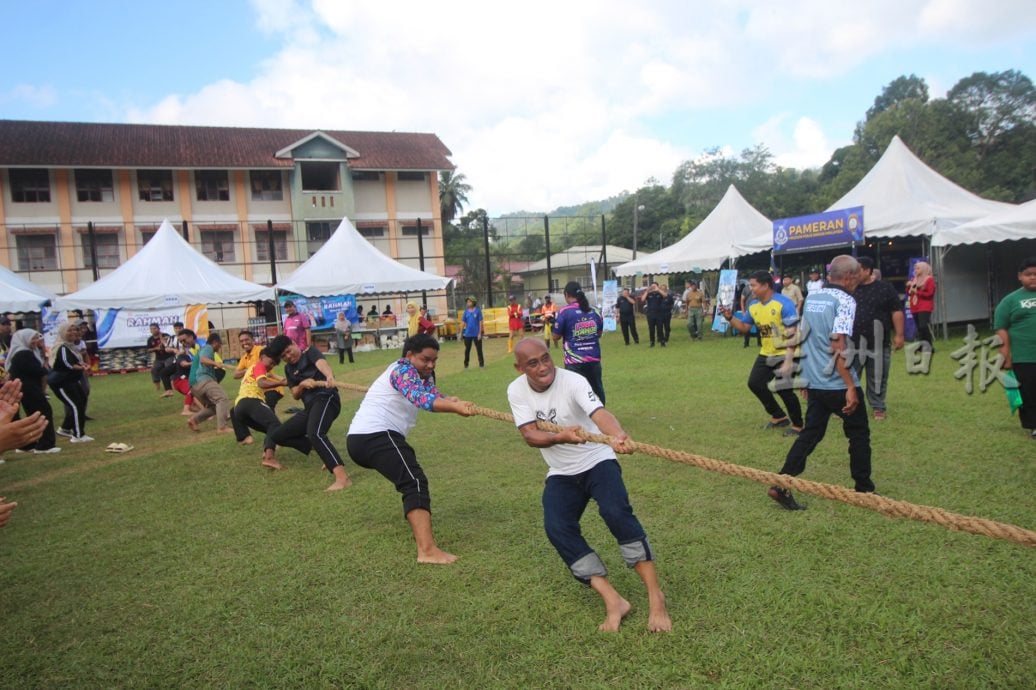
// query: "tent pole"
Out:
[942,294]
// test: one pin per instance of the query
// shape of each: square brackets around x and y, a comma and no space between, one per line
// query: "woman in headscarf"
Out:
[25,361]
[413,320]
[922,300]
[65,380]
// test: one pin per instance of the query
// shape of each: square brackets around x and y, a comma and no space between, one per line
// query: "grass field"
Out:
[182,564]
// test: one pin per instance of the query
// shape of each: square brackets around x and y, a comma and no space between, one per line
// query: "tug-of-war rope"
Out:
[886,506]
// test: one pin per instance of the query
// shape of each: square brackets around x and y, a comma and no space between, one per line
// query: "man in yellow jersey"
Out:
[249,356]
[776,317]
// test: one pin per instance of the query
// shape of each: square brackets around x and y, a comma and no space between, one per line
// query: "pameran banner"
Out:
[839,228]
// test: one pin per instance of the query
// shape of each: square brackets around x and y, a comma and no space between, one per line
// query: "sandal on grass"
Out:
[778,424]
[118,448]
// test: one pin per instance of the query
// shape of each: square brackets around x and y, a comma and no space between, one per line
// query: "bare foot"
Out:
[340,484]
[186,412]
[225,430]
[247,441]
[614,616]
[436,557]
[272,464]
[193,425]
[658,617]
[167,394]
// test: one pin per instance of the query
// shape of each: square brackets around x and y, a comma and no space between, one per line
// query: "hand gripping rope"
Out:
[886,506]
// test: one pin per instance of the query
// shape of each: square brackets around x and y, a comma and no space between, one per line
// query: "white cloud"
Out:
[28,94]
[808,146]
[548,103]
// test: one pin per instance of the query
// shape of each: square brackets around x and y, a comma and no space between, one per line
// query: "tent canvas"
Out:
[19,294]
[901,196]
[165,272]
[348,264]
[734,227]
[1012,223]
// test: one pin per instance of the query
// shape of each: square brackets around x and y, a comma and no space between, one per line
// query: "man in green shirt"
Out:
[206,389]
[1015,323]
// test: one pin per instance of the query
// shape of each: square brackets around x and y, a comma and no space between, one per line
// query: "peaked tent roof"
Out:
[1013,223]
[580,255]
[732,229]
[18,294]
[902,196]
[349,264]
[165,272]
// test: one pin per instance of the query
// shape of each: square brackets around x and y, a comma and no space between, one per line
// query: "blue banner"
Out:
[839,228]
[323,311]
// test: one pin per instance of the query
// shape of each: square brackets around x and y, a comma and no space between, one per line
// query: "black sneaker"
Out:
[784,497]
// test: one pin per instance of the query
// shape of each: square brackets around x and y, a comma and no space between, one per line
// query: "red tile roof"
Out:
[70,144]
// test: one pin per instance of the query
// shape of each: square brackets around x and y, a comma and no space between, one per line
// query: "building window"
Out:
[30,186]
[94,185]
[372,232]
[320,177]
[37,252]
[212,185]
[155,185]
[367,176]
[262,245]
[146,235]
[555,286]
[411,230]
[266,185]
[317,233]
[107,248]
[410,176]
[218,245]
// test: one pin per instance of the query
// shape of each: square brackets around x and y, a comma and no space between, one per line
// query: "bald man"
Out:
[827,326]
[578,472]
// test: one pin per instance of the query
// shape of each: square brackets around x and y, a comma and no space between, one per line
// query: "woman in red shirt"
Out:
[921,290]
[515,323]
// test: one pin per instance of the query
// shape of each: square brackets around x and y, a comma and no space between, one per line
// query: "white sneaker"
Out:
[61,432]
[82,439]
[55,449]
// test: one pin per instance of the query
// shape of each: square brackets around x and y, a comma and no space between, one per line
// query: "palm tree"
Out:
[453,194]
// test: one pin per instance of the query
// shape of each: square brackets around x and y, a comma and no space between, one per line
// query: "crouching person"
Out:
[578,472]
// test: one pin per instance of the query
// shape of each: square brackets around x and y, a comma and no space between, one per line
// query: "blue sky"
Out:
[543,104]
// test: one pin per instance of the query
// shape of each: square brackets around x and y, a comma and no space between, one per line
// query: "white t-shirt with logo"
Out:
[568,402]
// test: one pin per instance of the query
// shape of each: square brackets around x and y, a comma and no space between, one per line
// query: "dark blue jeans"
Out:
[565,498]
[821,405]
[591,371]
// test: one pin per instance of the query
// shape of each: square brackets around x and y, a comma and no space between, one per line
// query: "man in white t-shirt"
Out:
[578,472]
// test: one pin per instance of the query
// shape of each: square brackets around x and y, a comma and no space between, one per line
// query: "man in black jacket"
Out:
[627,308]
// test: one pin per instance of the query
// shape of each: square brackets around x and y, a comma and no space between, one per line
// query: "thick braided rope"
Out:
[886,506]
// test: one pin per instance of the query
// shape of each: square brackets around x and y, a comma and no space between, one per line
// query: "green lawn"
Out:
[182,564]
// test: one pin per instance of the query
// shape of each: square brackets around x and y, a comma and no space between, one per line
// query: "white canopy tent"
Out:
[732,229]
[165,272]
[901,196]
[348,264]
[1012,223]
[19,294]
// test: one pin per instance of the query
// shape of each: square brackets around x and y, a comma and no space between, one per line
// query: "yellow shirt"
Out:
[248,359]
[772,319]
[250,383]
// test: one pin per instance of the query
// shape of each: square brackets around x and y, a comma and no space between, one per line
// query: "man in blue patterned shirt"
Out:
[832,385]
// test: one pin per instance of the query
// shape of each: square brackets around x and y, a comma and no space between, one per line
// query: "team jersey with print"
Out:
[250,383]
[568,402]
[1016,314]
[581,333]
[828,312]
[772,319]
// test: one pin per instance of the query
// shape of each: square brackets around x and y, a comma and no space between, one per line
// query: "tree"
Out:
[897,91]
[453,194]
[996,103]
